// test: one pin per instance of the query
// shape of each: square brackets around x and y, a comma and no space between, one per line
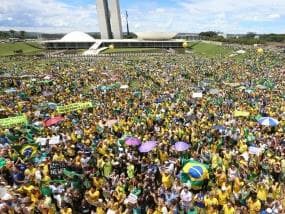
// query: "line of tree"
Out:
[14,34]
[248,39]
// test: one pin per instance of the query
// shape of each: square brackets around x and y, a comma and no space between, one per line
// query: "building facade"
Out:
[109,17]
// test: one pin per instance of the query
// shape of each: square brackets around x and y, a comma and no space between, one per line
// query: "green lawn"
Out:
[199,48]
[125,50]
[210,50]
[7,49]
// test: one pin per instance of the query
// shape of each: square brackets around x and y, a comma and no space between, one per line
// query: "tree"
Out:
[250,35]
[12,33]
[22,34]
[208,34]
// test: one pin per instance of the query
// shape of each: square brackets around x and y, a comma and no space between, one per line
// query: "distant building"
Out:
[80,40]
[224,35]
[188,36]
[111,34]
[73,40]
[14,39]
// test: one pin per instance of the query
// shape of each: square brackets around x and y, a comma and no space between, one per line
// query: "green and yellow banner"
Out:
[74,107]
[13,121]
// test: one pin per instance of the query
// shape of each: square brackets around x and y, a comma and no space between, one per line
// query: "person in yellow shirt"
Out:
[100,207]
[262,192]
[242,147]
[211,204]
[45,168]
[237,185]
[92,195]
[229,208]
[58,156]
[276,190]
[166,180]
[163,156]
[97,181]
[221,177]
[222,196]
[77,159]
[66,210]
[254,205]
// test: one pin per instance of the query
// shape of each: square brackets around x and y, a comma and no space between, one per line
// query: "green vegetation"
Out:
[9,49]
[247,39]
[210,50]
[199,48]
[127,50]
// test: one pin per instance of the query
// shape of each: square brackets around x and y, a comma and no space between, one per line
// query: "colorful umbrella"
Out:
[268,121]
[147,146]
[53,121]
[132,141]
[181,146]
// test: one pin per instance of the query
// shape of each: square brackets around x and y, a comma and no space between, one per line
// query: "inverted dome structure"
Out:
[155,35]
[77,36]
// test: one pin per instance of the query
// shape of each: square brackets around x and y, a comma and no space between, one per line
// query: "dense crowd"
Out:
[81,163]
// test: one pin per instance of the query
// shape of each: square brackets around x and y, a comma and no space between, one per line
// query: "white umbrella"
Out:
[268,121]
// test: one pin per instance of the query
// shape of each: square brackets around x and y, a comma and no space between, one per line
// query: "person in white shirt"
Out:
[186,199]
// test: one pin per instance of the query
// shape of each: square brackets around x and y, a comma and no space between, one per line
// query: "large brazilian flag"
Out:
[28,151]
[195,173]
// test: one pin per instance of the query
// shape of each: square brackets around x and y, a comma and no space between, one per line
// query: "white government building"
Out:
[111,34]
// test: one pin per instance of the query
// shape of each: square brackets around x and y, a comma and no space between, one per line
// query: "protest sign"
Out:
[56,169]
[73,107]
[241,113]
[13,121]
[197,95]
[42,141]
[54,140]
[255,150]
[132,198]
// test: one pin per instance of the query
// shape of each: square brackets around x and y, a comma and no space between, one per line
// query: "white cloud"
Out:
[201,15]
[273,16]
[148,15]
[47,15]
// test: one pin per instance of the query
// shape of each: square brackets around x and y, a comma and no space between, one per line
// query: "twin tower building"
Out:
[109,17]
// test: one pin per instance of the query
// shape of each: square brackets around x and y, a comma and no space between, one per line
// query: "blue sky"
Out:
[228,16]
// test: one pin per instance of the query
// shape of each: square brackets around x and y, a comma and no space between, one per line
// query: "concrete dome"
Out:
[77,36]
[155,35]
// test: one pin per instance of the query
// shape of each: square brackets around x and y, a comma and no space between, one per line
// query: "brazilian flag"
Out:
[28,151]
[195,173]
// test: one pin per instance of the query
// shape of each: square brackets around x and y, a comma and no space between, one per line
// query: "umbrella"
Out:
[47,93]
[214,91]
[52,105]
[147,146]
[181,146]
[219,128]
[268,121]
[132,141]
[53,121]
